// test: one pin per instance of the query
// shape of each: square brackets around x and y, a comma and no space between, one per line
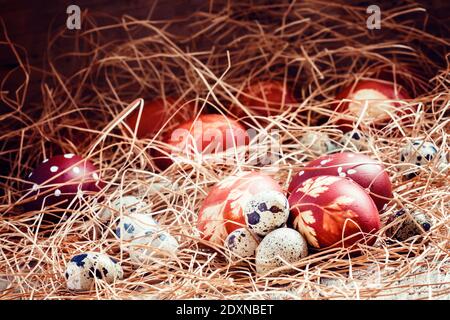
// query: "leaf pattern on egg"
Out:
[301,223]
[215,226]
[335,214]
[315,187]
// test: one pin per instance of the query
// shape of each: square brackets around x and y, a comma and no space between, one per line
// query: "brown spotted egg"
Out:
[409,225]
[317,143]
[241,243]
[279,247]
[266,211]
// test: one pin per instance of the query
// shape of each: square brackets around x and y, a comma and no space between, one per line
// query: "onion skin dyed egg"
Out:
[382,99]
[207,134]
[265,98]
[61,179]
[158,113]
[367,172]
[327,209]
[222,211]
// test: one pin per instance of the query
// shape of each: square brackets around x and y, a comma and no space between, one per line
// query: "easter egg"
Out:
[407,225]
[317,143]
[158,114]
[422,153]
[371,101]
[266,211]
[222,211]
[126,205]
[83,270]
[241,243]
[354,141]
[327,210]
[265,98]
[278,247]
[367,172]
[60,179]
[207,134]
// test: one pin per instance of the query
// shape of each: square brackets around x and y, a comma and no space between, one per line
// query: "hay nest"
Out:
[91,79]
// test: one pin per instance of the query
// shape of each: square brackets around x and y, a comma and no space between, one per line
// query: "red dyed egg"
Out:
[265,98]
[58,180]
[158,113]
[365,171]
[382,99]
[207,134]
[222,210]
[328,209]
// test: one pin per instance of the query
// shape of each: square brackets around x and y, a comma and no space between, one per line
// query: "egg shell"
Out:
[354,140]
[207,134]
[381,97]
[422,153]
[150,246]
[266,211]
[222,210]
[278,247]
[136,225]
[126,205]
[317,143]
[159,113]
[84,269]
[61,179]
[367,172]
[241,243]
[408,225]
[264,98]
[327,209]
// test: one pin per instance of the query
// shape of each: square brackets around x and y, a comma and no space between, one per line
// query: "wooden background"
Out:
[28,23]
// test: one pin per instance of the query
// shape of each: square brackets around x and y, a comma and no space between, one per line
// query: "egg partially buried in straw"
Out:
[84,269]
[265,98]
[208,134]
[144,239]
[222,211]
[266,211]
[422,153]
[279,247]
[317,143]
[60,179]
[158,113]
[367,172]
[242,243]
[374,102]
[125,204]
[408,225]
[354,140]
[328,209]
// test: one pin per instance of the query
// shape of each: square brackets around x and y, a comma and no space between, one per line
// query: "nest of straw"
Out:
[90,80]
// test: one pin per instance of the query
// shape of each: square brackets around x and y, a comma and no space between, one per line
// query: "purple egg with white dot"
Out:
[59,180]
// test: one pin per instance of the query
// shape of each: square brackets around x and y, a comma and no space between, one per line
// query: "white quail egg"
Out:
[83,269]
[278,247]
[126,204]
[354,140]
[266,211]
[409,225]
[421,153]
[135,225]
[317,143]
[241,243]
[152,245]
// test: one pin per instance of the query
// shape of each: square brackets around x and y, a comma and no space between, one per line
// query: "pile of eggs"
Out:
[334,200]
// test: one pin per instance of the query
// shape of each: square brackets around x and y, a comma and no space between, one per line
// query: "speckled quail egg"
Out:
[409,225]
[84,269]
[126,204]
[354,140]
[266,211]
[135,225]
[421,153]
[242,243]
[284,245]
[317,143]
[152,245]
